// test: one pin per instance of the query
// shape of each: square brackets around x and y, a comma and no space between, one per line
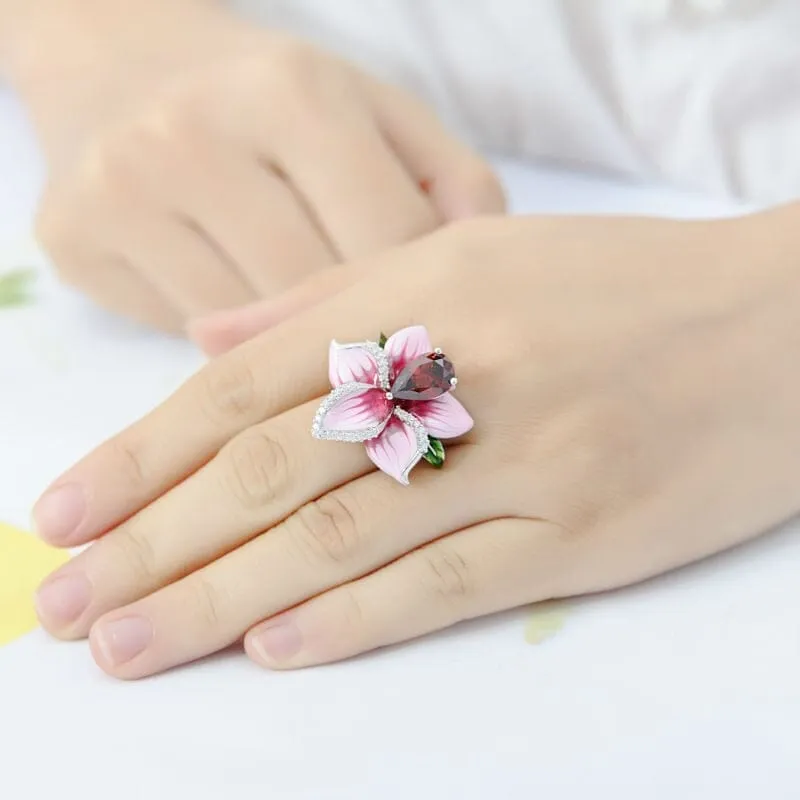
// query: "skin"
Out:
[205,170]
[635,393]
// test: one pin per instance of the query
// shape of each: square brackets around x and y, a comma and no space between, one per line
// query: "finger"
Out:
[258,479]
[460,182]
[187,266]
[223,330]
[348,533]
[115,285]
[254,215]
[487,568]
[280,369]
[356,185]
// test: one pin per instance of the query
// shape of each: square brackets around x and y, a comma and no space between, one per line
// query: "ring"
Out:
[395,396]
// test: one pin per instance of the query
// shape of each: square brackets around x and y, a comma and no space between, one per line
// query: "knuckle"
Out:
[59,229]
[73,273]
[297,68]
[227,389]
[301,85]
[174,119]
[603,433]
[54,223]
[327,529]
[483,188]
[271,78]
[462,245]
[257,470]
[134,552]
[446,574]
[351,614]
[128,461]
[108,170]
[467,251]
[207,603]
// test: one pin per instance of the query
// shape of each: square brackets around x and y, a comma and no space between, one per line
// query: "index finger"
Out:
[282,368]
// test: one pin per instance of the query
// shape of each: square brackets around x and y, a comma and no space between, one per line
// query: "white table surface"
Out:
[685,687]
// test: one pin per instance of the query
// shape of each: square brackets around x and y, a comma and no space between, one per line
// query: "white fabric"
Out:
[704,93]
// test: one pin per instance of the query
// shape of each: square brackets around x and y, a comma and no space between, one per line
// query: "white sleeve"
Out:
[703,93]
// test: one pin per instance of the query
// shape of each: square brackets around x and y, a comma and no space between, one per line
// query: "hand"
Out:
[198,162]
[634,390]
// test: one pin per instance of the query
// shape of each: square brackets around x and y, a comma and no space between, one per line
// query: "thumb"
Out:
[221,331]
[459,182]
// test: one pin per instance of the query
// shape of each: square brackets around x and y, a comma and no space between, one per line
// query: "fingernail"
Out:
[59,512]
[278,642]
[123,639]
[62,599]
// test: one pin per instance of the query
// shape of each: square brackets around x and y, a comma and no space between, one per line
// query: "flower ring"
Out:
[395,396]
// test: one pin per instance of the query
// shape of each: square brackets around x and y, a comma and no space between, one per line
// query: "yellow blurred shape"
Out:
[545,621]
[24,562]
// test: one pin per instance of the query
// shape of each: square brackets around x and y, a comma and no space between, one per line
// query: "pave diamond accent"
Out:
[378,353]
[318,429]
[376,388]
[382,360]
[423,442]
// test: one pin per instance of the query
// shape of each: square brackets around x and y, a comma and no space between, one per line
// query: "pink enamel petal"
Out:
[406,345]
[350,364]
[444,417]
[360,413]
[396,450]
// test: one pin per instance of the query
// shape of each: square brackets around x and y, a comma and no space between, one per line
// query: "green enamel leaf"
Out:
[435,454]
[382,340]
[15,288]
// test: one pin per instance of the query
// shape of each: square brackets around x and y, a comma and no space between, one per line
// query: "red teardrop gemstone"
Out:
[424,378]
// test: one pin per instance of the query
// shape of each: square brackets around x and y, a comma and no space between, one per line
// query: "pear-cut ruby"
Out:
[424,378]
